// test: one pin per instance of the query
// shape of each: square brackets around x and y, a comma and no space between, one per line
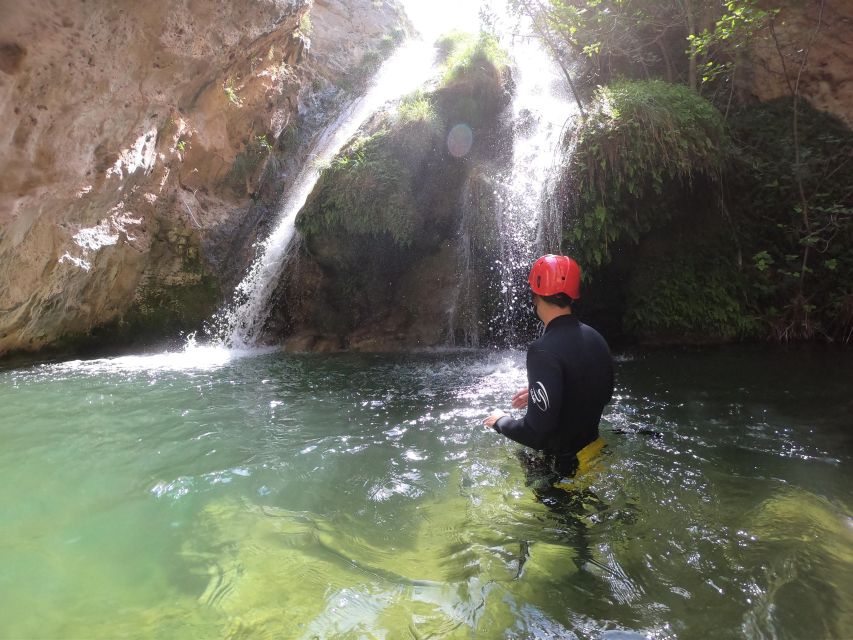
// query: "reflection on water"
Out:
[203,494]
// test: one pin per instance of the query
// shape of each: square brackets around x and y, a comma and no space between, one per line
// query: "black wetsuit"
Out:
[570,378]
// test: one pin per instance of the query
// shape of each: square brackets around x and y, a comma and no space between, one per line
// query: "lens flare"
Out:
[459,140]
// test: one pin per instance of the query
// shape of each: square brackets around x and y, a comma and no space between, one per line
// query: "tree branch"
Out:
[540,25]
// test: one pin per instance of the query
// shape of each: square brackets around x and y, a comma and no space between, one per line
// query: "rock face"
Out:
[379,264]
[136,137]
[827,79]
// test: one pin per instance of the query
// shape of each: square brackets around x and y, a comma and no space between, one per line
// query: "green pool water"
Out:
[212,495]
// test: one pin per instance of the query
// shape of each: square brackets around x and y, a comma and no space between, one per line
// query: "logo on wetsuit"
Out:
[539,396]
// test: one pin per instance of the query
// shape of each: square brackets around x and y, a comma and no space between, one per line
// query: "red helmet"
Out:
[552,274]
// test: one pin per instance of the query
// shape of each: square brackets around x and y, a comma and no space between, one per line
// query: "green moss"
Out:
[800,263]
[688,291]
[417,108]
[640,147]
[465,55]
[452,41]
[472,89]
[647,165]
[366,190]
[416,128]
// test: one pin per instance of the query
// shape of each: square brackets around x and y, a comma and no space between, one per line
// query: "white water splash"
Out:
[407,70]
[542,108]
[193,357]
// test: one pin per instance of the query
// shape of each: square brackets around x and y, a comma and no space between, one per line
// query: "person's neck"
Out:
[550,312]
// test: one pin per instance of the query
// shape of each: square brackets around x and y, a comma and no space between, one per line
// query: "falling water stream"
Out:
[408,69]
[541,109]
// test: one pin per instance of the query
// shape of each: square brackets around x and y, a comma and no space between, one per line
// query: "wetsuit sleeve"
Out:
[545,382]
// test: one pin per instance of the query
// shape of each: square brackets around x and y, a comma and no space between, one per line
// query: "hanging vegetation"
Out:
[371,193]
[389,202]
[796,226]
[465,54]
[473,87]
[685,286]
[376,186]
[641,144]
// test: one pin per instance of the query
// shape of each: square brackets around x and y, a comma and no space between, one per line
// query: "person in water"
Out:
[569,377]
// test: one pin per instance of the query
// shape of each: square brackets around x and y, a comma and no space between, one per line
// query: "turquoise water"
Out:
[213,495]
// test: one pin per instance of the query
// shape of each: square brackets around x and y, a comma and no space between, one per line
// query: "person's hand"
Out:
[493,418]
[519,400]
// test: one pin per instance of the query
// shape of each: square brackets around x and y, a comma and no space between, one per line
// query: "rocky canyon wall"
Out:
[135,140]
[823,29]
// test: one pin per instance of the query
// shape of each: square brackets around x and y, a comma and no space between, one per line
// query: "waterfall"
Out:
[537,115]
[526,224]
[462,316]
[408,69]
[540,110]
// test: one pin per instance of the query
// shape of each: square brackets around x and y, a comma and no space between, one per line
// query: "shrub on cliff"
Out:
[775,261]
[473,87]
[379,185]
[366,191]
[465,54]
[369,188]
[640,144]
[686,286]
[645,164]
[794,216]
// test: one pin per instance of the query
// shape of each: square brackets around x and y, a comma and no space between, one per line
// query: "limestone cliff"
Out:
[136,137]
[825,30]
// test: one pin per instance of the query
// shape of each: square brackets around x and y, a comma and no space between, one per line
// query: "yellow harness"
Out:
[587,457]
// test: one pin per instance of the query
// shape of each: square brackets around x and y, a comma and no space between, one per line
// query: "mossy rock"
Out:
[691,293]
[683,282]
[367,225]
[392,180]
[388,205]
[475,86]
[641,148]
[365,191]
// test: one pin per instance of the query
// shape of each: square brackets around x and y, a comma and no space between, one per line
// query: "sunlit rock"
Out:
[138,143]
